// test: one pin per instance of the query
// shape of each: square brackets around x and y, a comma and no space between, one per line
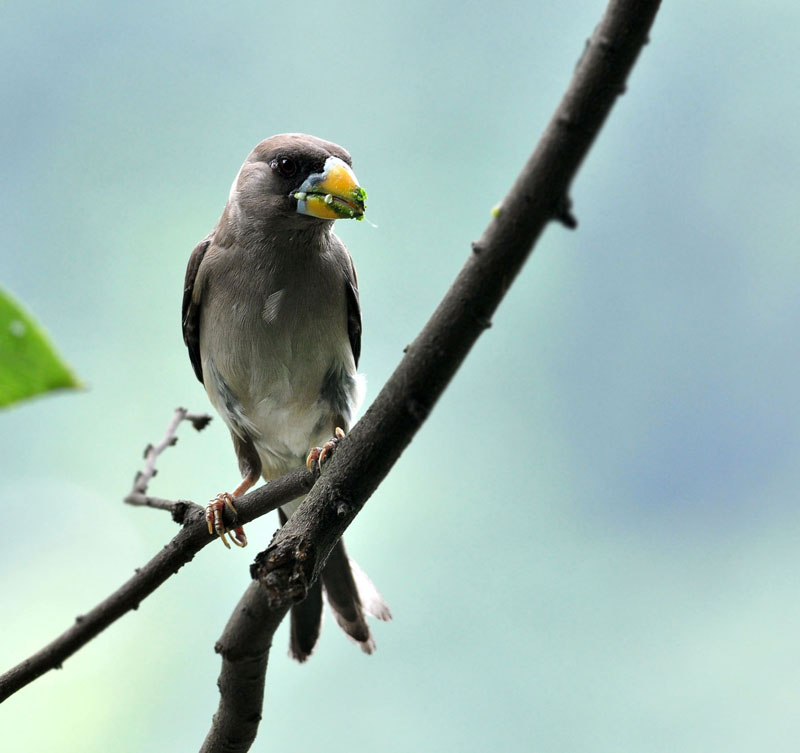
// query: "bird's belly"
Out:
[286,432]
[285,405]
[281,378]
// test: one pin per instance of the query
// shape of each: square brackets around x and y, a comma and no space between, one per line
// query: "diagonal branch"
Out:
[192,537]
[540,194]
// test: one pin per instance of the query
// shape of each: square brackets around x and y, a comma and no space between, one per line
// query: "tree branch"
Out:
[244,647]
[192,537]
[299,550]
[138,494]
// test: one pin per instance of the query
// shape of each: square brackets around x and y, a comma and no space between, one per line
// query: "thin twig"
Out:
[299,550]
[138,494]
[159,503]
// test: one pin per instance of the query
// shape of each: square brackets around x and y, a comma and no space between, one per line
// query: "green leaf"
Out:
[29,365]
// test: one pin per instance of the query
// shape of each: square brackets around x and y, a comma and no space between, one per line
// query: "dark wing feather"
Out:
[353,312]
[190,313]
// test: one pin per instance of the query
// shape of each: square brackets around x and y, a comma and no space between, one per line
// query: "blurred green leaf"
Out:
[29,365]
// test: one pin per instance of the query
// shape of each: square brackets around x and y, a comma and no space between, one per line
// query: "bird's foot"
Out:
[319,455]
[214,519]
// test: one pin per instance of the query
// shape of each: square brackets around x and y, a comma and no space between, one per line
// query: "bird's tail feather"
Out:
[369,596]
[351,595]
[305,622]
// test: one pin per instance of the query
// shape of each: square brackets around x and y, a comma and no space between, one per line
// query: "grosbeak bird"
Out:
[272,321]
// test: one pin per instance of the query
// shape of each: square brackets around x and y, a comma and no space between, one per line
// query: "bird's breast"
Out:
[278,362]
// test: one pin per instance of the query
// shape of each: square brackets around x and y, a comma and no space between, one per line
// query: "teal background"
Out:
[592,545]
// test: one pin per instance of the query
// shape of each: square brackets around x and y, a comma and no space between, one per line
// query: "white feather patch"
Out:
[371,599]
[269,313]
[358,395]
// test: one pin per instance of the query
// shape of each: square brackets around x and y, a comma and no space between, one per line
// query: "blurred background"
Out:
[592,545]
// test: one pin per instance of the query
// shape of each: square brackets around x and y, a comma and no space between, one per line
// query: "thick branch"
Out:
[191,539]
[540,194]
[244,647]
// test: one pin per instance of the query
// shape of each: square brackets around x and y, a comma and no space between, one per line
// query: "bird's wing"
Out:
[190,314]
[353,312]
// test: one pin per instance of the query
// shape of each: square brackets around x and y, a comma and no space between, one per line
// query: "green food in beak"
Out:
[332,194]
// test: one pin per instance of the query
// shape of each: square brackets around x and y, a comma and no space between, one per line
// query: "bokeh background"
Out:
[592,545]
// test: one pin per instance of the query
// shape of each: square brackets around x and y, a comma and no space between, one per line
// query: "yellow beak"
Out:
[332,194]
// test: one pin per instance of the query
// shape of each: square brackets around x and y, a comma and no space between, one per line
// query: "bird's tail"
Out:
[351,595]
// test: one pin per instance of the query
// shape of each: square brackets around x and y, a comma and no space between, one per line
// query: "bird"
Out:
[271,318]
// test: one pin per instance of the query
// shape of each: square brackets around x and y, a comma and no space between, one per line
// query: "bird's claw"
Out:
[319,455]
[215,523]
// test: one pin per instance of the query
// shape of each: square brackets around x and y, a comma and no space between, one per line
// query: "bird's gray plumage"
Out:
[272,322]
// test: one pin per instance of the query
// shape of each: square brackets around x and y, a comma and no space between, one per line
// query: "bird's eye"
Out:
[286,166]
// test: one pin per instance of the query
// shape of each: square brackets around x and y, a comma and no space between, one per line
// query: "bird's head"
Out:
[295,179]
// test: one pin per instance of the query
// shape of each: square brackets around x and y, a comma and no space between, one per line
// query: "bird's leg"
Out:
[225,499]
[319,455]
